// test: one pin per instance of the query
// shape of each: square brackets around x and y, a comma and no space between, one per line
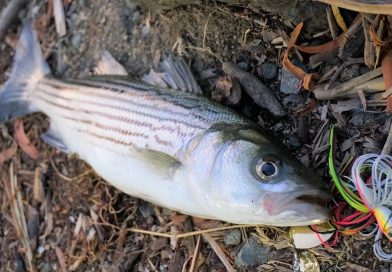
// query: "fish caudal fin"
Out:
[29,67]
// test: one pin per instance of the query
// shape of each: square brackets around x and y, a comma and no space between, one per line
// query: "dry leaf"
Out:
[23,141]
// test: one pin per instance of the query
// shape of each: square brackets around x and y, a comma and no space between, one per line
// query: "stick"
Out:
[195,255]
[9,13]
[59,17]
[388,144]
[218,251]
[369,83]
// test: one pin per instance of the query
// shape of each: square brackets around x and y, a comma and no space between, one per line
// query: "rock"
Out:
[244,65]
[289,84]
[358,119]
[269,70]
[233,237]
[252,254]
[145,209]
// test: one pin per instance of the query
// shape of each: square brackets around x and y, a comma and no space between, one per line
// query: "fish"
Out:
[172,147]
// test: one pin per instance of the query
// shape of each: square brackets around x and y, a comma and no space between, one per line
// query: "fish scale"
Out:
[115,113]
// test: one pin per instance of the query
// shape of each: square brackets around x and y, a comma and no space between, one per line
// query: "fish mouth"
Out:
[306,206]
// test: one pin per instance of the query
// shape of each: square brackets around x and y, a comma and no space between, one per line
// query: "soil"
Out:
[83,224]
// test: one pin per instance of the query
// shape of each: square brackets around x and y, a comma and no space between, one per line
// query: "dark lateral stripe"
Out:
[106,138]
[150,126]
[177,130]
[105,127]
[115,117]
[106,90]
[194,103]
[162,142]
[127,110]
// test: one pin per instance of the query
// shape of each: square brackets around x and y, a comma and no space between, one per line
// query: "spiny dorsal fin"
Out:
[175,73]
[178,74]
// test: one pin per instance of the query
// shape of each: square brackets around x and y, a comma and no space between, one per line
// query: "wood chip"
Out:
[59,17]
[61,259]
[38,189]
[362,97]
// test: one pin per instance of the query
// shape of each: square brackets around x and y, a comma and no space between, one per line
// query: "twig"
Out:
[341,68]
[369,50]
[218,251]
[388,144]
[260,93]
[9,14]
[195,254]
[187,234]
[380,32]
[333,28]
[18,217]
[367,82]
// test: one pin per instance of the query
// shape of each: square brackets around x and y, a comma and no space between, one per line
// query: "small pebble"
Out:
[269,70]
[76,40]
[294,143]
[46,267]
[233,237]
[252,254]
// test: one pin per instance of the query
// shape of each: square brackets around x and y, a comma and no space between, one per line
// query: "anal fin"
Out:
[52,138]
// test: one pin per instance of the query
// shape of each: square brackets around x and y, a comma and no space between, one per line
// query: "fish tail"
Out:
[29,66]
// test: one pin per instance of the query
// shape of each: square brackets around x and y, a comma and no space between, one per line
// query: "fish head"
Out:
[243,177]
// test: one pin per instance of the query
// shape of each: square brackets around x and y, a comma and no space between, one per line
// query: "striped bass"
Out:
[174,148]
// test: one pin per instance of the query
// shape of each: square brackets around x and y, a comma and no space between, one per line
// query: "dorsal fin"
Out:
[175,73]
[178,74]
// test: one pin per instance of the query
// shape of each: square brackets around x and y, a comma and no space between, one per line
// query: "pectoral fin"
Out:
[162,164]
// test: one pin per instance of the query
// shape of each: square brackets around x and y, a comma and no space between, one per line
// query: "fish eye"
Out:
[266,169]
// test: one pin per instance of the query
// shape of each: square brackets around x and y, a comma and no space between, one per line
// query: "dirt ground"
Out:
[77,222]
